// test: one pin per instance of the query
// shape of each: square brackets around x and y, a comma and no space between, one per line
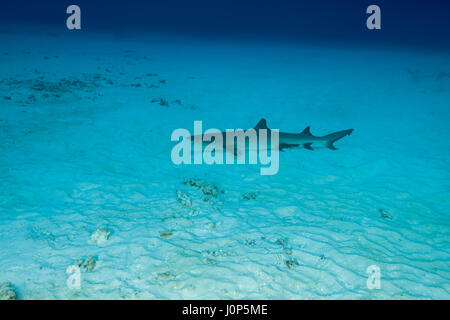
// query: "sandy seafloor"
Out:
[93,151]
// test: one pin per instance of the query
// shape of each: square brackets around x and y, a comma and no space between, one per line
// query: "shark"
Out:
[304,139]
[209,146]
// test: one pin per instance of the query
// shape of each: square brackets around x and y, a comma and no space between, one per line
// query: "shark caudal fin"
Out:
[333,137]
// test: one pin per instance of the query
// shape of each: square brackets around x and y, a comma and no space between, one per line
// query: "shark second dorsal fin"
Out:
[306,132]
[262,124]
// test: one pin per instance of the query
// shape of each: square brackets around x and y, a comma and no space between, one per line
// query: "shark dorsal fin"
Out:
[306,132]
[262,124]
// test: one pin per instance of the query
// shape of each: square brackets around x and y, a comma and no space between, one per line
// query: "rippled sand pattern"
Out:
[85,144]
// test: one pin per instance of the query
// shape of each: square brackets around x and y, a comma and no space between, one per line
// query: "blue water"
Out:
[85,146]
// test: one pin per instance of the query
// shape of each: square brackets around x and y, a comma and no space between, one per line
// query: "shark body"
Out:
[303,139]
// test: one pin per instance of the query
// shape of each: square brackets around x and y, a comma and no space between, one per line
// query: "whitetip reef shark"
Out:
[209,145]
[286,140]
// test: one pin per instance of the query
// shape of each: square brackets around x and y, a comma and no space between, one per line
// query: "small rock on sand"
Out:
[100,235]
[86,265]
[183,198]
[7,291]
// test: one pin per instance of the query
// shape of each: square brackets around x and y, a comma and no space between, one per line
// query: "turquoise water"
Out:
[85,144]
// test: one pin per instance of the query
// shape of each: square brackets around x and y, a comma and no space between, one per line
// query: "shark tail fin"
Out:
[333,137]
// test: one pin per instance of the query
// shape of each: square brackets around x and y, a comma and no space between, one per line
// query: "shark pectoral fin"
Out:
[308,146]
[283,146]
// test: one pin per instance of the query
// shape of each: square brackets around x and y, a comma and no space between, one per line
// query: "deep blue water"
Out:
[404,22]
